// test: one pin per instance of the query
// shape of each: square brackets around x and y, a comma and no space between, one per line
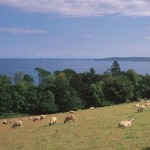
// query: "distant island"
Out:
[138,59]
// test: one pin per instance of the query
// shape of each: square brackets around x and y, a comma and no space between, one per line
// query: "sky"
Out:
[74,28]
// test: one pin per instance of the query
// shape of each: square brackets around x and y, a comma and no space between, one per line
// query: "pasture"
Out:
[92,130]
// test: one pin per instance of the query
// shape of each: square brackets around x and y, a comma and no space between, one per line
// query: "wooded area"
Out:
[67,90]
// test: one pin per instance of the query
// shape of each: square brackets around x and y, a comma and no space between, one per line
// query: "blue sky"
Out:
[74,28]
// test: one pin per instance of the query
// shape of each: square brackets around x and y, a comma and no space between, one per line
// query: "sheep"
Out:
[125,123]
[141,108]
[91,108]
[147,103]
[36,118]
[72,112]
[5,122]
[42,117]
[70,117]
[17,123]
[136,105]
[30,118]
[53,121]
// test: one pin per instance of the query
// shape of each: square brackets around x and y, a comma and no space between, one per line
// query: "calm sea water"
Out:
[11,66]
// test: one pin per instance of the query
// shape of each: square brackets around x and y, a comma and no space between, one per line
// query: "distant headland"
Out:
[139,59]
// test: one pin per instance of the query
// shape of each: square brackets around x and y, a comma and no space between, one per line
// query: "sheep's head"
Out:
[131,119]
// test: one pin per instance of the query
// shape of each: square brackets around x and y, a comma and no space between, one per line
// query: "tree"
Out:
[118,89]
[6,102]
[72,101]
[18,77]
[43,75]
[46,102]
[97,93]
[144,86]
[18,97]
[28,79]
[115,68]
[60,88]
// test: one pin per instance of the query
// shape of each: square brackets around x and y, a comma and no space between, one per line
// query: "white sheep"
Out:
[72,112]
[36,118]
[70,117]
[136,105]
[141,108]
[91,108]
[30,118]
[125,123]
[17,123]
[42,117]
[53,120]
[5,122]
[147,104]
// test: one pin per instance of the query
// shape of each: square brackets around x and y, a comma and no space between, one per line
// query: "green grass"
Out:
[92,130]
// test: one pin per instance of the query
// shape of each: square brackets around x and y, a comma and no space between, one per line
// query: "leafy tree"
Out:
[97,93]
[46,102]
[18,77]
[72,101]
[31,100]
[144,86]
[115,68]
[28,79]
[18,97]
[118,89]
[60,89]
[5,95]
[69,73]
[43,75]
[135,79]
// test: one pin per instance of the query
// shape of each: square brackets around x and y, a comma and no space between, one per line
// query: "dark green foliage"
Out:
[43,75]
[6,102]
[46,102]
[118,89]
[115,68]
[67,90]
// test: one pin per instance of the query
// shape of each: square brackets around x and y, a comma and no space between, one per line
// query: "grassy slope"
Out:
[93,129]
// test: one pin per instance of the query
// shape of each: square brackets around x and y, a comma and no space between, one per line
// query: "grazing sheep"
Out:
[147,104]
[42,117]
[17,123]
[5,122]
[37,118]
[68,118]
[72,112]
[141,108]
[91,108]
[53,121]
[125,123]
[30,118]
[136,105]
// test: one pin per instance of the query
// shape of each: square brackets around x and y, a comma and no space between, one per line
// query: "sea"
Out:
[11,66]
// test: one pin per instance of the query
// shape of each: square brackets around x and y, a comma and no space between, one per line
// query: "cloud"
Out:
[79,8]
[21,31]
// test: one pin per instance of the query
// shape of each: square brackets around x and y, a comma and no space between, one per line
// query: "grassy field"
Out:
[92,130]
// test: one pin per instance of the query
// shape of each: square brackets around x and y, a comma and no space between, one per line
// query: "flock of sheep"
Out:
[71,116]
[140,108]
[53,120]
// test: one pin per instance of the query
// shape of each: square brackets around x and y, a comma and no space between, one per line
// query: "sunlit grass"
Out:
[93,129]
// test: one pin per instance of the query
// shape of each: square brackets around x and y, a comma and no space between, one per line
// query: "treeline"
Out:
[67,90]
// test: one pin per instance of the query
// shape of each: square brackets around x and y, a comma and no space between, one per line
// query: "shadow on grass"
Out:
[147,148]
[53,125]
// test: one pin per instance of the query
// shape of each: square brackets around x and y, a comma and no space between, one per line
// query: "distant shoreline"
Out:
[138,59]
[135,59]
